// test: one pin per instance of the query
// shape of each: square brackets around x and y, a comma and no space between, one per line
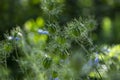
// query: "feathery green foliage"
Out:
[45,49]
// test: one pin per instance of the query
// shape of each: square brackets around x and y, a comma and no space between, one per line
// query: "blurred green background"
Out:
[106,13]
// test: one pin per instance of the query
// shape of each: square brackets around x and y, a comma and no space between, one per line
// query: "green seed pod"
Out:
[54,74]
[64,54]
[47,62]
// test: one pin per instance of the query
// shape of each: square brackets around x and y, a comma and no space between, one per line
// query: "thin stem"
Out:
[83,47]
[99,73]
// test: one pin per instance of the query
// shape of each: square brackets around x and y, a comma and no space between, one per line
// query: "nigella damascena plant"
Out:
[96,53]
[96,61]
[56,79]
[40,31]
[13,38]
[17,36]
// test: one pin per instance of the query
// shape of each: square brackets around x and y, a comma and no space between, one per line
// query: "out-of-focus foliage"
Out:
[55,43]
[17,12]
